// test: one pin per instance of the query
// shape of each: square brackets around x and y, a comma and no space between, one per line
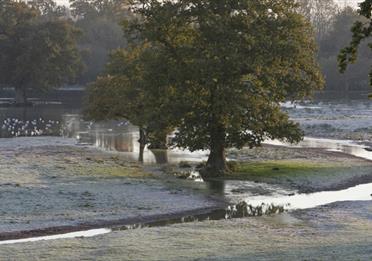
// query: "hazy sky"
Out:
[353,3]
[342,2]
[62,2]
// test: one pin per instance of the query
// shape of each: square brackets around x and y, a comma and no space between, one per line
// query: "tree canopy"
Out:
[35,53]
[133,88]
[229,64]
[362,30]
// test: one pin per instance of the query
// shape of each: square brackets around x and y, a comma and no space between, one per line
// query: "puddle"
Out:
[252,206]
[240,210]
[88,233]
[306,201]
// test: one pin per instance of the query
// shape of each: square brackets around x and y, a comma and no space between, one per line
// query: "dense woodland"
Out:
[99,24]
[101,34]
[331,24]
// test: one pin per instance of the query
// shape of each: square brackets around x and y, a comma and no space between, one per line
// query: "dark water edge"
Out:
[114,140]
[241,210]
[120,224]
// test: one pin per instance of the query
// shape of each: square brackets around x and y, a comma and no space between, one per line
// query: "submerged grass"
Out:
[279,168]
[109,171]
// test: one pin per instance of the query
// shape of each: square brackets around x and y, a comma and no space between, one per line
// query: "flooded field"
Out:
[337,232]
[50,182]
[345,120]
[86,181]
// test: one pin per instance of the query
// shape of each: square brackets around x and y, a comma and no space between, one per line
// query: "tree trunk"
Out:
[216,164]
[161,156]
[142,141]
[20,96]
[158,140]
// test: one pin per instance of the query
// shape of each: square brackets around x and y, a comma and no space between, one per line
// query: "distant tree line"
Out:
[43,45]
[97,31]
[362,31]
[99,23]
[38,47]
[332,28]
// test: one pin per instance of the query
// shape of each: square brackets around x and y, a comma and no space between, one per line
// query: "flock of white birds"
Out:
[13,127]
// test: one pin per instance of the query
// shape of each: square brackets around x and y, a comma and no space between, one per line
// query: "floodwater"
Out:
[121,137]
[345,146]
[39,120]
[87,233]
[256,194]
[305,201]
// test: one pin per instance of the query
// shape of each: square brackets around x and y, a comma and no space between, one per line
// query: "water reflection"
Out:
[265,195]
[79,234]
[125,141]
[161,156]
[217,187]
[305,201]
[39,120]
[345,146]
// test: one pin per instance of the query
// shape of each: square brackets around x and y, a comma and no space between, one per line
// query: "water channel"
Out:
[121,137]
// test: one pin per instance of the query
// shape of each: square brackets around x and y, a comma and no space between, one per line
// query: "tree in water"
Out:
[361,30]
[231,64]
[132,88]
[36,53]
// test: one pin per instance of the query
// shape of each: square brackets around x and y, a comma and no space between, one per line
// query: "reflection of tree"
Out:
[161,156]
[216,186]
[24,113]
[124,143]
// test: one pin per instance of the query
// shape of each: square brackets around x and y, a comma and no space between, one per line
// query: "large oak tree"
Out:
[233,63]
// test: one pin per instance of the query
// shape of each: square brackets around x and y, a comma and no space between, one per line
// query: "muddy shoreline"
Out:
[111,224]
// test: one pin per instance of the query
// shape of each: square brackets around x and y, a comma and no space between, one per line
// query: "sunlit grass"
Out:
[107,171]
[281,168]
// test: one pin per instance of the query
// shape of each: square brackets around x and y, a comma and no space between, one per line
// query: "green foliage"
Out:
[48,8]
[107,99]
[356,78]
[216,70]
[36,53]
[361,30]
[133,88]
[230,63]
[114,9]
[234,62]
